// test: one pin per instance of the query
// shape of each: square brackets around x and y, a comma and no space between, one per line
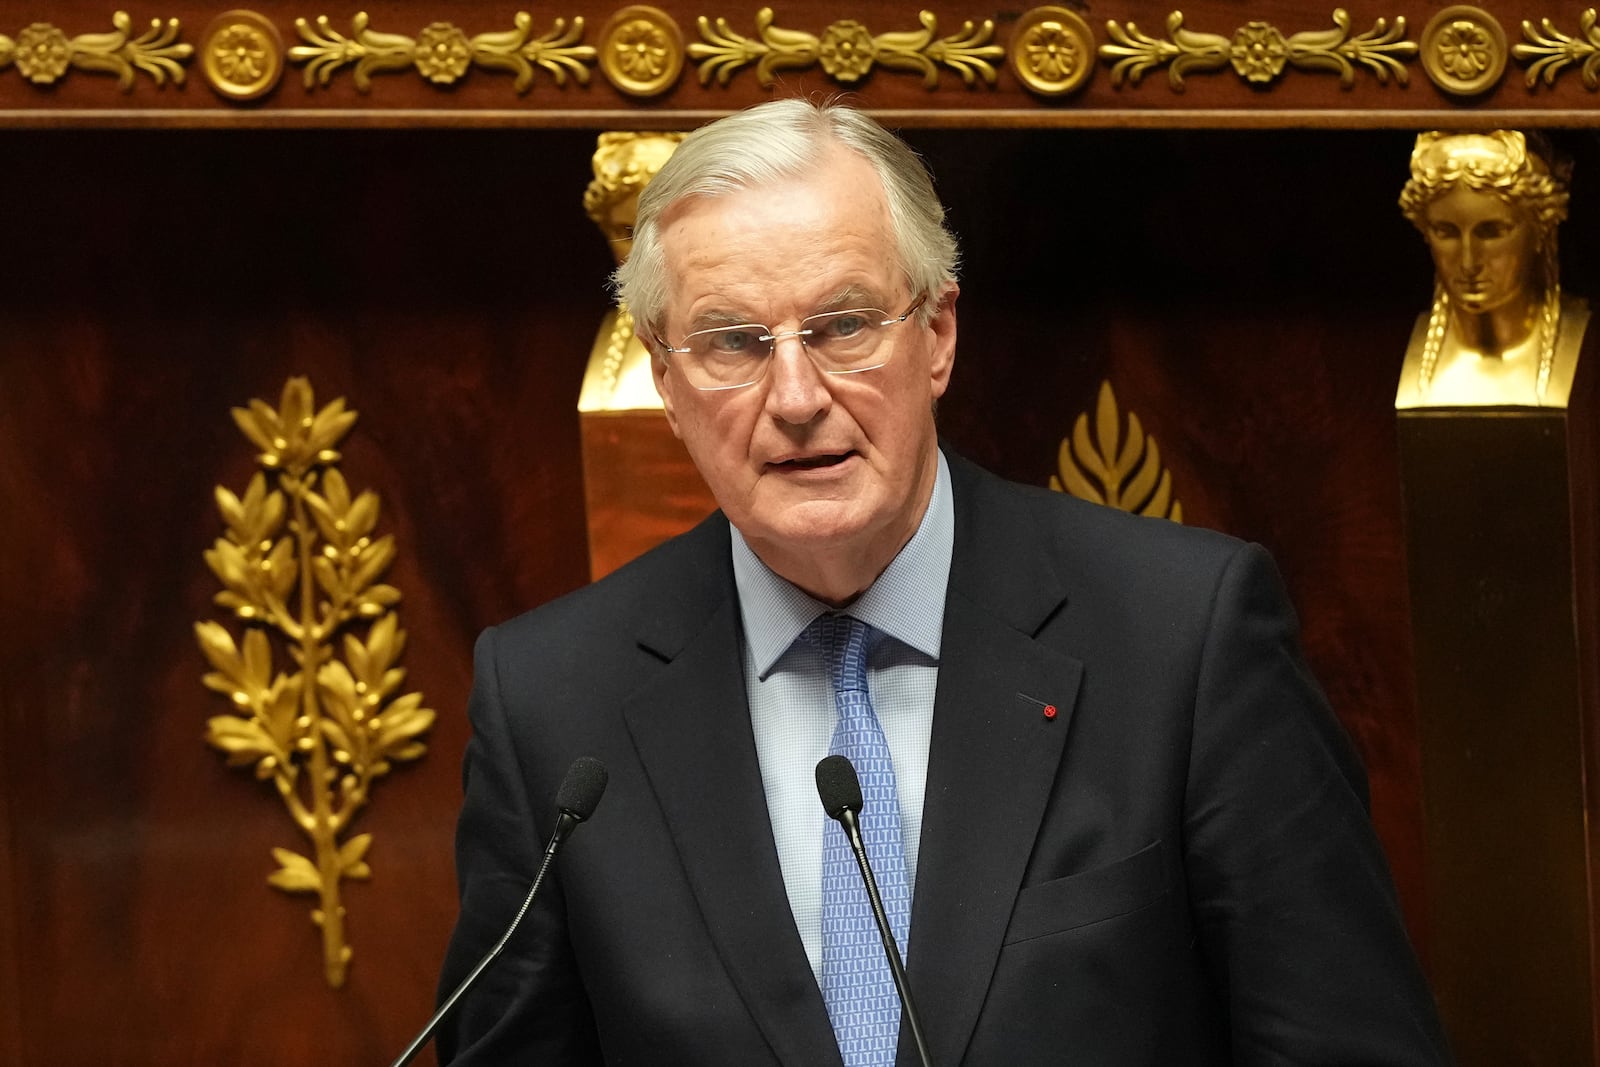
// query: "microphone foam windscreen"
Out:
[838,786]
[583,786]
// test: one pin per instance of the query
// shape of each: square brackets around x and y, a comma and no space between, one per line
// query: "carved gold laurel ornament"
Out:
[298,561]
[847,50]
[641,51]
[43,53]
[1052,51]
[1119,470]
[241,55]
[1258,52]
[1464,50]
[1552,51]
[442,53]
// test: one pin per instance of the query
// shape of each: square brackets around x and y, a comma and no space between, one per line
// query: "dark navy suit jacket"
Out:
[1177,868]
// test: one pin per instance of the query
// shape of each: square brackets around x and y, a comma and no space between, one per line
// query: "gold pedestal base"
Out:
[639,486]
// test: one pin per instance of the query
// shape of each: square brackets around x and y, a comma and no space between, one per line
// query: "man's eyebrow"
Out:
[851,296]
[716,319]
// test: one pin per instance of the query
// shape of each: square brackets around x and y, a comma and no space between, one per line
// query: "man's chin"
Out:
[814,525]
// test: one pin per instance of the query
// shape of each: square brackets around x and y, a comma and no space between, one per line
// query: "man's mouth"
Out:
[806,463]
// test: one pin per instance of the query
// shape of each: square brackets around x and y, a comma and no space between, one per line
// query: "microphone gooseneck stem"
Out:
[852,828]
[564,824]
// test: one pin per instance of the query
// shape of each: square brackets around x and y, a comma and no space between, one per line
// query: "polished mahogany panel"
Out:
[166,279]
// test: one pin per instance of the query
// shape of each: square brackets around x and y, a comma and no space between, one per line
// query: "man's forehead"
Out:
[815,243]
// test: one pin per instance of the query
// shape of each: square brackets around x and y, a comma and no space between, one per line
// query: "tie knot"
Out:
[844,643]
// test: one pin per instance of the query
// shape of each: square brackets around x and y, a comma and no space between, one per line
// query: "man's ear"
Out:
[943,324]
[665,382]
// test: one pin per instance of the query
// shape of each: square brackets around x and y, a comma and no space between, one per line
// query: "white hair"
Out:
[784,139]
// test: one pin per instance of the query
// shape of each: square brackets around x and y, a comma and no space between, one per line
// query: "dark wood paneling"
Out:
[1248,294]
[414,276]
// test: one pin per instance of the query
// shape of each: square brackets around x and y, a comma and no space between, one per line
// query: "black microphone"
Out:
[580,792]
[840,791]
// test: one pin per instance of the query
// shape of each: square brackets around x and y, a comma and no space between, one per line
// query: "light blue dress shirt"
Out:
[792,706]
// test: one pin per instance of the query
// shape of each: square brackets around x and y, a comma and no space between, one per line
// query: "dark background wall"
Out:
[1249,295]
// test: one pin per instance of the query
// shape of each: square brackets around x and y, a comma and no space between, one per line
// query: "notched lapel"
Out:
[994,757]
[691,728]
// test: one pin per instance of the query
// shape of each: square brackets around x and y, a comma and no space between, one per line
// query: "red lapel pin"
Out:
[1050,711]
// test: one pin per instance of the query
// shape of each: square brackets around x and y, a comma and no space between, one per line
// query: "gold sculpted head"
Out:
[1488,205]
[618,376]
[624,163]
[1492,187]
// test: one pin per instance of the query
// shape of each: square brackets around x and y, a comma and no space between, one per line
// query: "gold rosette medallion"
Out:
[1464,50]
[641,51]
[1052,51]
[241,54]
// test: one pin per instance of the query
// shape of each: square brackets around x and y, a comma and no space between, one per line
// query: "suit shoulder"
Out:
[1092,536]
[690,569]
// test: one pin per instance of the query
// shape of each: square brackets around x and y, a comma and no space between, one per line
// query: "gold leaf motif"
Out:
[298,527]
[1259,52]
[1553,51]
[296,873]
[847,50]
[43,53]
[442,53]
[1120,470]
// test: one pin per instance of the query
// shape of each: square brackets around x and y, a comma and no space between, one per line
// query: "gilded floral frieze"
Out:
[43,53]
[1552,51]
[1258,51]
[442,53]
[847,50]
[1049,51]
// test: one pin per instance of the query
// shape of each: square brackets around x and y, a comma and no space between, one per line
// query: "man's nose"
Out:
[796,390]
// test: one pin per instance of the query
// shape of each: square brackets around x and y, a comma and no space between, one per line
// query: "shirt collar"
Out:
[906,601]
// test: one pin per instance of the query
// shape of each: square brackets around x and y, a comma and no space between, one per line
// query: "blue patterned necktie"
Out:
[857,985]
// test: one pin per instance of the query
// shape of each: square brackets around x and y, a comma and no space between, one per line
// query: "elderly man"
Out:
[1114,820]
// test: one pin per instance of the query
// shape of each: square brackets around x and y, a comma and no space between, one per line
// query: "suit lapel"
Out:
[994,755]
[691,728]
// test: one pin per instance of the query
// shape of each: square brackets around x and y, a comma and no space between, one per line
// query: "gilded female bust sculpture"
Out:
[1499,332]
[618,376]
